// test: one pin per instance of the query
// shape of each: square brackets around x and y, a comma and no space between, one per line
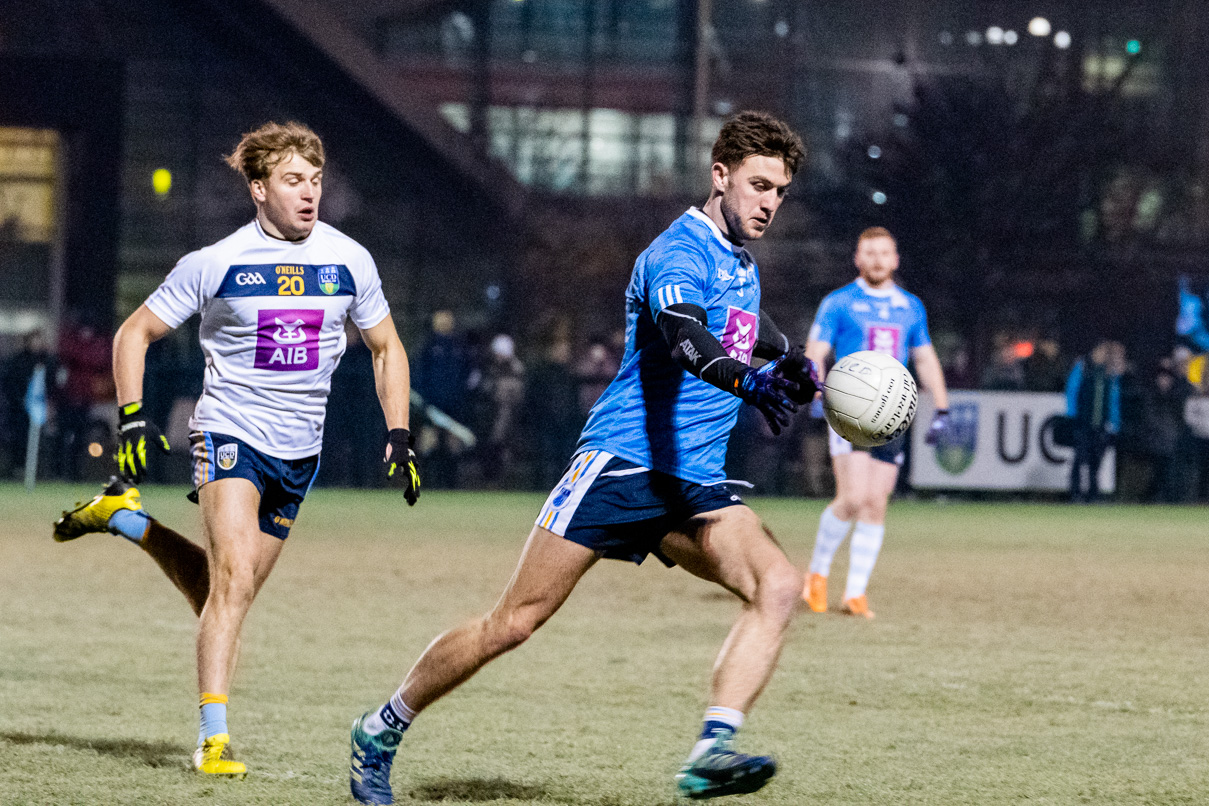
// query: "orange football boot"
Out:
[816,592]
[857,606]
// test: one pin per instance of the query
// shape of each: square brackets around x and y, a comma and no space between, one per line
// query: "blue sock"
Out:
[394,715]
[719,720]
[130,523]
[213,716]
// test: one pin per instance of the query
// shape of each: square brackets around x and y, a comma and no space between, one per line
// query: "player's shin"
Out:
[866,544]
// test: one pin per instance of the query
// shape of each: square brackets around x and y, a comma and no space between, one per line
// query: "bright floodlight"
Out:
[879,197]
[161,181]
[994,35]
[875,152]
[1010,37]
[1039,26]
[1062,40]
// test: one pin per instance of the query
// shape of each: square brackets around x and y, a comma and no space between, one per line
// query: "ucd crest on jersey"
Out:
[329,279]
[227,455]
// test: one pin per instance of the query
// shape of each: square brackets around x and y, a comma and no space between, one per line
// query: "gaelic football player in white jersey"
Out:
[273,298]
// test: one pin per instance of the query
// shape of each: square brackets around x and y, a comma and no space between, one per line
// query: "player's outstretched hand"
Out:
[801,370]
[770,392]
[135,434]
[401,461]
[940,422]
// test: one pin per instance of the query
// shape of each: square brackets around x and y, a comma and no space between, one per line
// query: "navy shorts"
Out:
[623,510]
[283,483]
[893,452]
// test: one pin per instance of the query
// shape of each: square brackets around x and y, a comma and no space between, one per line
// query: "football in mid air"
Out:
[869,398]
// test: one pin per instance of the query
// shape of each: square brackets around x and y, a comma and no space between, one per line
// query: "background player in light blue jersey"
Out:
[871,313]
[648,474]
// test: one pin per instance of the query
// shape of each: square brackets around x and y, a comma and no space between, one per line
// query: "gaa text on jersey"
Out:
[250,278]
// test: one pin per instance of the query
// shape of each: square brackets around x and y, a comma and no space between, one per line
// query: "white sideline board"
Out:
[997,441]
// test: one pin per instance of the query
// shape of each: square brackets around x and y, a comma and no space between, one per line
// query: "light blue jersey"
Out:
[857,317]
[655,414]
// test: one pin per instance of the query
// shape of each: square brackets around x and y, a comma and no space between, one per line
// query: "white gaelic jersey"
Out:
[272,329]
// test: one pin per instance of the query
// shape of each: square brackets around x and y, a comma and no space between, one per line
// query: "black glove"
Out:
[940,422]
[400,457]
[135,434]
[801,370]
[770,392]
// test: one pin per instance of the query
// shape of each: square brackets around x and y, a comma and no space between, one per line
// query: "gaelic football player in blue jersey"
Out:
[273,298]
[870,313]
[648,478]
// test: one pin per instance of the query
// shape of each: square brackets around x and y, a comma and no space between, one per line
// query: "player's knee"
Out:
[845,508]
[509,631]
[779,589]
[233,583]
[873,509]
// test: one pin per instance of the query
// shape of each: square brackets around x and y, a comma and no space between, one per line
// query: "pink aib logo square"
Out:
[287,340]
[739,338]
[885,340]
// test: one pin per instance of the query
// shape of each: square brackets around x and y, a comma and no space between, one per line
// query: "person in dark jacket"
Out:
[1093,402]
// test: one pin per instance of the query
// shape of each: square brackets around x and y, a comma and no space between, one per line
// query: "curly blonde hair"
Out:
[260,150]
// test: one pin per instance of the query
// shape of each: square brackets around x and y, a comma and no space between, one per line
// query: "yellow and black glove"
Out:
[401,463]
[135,434]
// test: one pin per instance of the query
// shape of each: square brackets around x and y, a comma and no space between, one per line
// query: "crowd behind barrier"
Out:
[525,408]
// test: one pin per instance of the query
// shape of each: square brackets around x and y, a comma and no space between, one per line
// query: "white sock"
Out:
[827,540]
[866,543]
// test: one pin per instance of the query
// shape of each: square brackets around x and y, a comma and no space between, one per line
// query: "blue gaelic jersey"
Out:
[655,414]
[857,317]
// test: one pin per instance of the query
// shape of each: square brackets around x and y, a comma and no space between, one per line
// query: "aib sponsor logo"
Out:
[739,337]
[250,278]
[884,339]
[288,339]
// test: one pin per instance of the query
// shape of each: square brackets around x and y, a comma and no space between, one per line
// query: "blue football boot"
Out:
[721,770]
[369,769]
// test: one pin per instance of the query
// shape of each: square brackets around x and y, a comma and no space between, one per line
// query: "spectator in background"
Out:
[1043,370]
[1167,434]
[441,375]
[84,379]
[14,380]
[349,443]
[552,410]
[498,395]
[1196,416]
[595,371]
[1093,402]
[1004,371]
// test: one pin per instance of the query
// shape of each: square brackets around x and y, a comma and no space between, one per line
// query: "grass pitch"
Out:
[1022,653]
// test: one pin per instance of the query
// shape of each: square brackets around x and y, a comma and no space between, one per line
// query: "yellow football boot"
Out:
[94,515]
[215,758]
[816,592]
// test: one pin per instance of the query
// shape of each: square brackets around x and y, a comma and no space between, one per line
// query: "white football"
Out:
[869,398]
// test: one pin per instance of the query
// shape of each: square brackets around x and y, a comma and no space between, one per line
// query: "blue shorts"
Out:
[283,483]
[623,510]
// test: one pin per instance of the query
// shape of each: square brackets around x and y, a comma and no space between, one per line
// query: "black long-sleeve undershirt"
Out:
[701,354]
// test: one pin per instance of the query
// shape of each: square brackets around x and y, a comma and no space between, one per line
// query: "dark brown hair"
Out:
[757,134]
[260,150]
